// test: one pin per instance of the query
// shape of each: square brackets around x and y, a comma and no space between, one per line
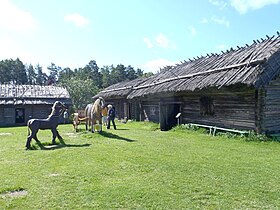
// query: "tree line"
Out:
[81,83]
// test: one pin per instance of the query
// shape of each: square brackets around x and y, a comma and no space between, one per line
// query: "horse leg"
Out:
[86,124]
[34,135]
[100,124]
[54,132]
[59,136]
[28,142]
[37,141]
[29,138]
[92,126]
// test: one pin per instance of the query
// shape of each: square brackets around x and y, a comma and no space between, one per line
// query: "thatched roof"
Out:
[121,89]
[253,65]
[33,94]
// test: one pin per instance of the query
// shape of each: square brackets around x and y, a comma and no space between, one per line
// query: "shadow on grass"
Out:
[122,129]
[60,145]
[114,136]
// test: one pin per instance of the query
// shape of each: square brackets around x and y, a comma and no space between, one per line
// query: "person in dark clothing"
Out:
[111,116]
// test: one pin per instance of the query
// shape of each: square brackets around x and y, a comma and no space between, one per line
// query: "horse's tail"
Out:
[28,128]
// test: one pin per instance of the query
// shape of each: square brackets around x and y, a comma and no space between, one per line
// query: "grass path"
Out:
[137,167]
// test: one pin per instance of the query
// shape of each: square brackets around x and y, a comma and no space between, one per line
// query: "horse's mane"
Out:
[97,105]
[53,110]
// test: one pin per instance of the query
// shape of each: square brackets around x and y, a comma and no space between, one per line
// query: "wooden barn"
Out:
[19,103]
[237,89]
[117,95]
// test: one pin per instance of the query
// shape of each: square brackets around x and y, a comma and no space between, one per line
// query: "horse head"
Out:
[101,101]
[57,108]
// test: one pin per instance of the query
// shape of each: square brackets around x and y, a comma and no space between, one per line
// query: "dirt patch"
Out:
[15,193]
[71,135]
[5,134]
[54,174]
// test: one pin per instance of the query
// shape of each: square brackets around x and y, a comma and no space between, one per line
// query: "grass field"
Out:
[137,167]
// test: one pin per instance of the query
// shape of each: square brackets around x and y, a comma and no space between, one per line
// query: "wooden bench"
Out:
[213,129]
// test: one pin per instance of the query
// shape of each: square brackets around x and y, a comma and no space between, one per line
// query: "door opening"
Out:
[20,115]
[168,113]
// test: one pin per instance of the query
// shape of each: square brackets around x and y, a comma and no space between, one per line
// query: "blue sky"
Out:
[146,34]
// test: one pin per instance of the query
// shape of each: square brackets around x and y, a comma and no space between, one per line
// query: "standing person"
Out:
[65,116]
[111,116]
[104,113]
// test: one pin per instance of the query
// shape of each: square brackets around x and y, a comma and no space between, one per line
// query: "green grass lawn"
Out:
[137,167]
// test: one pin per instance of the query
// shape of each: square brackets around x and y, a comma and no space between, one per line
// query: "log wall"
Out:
[150,110]
[231,110]
[8,116]
[271,108]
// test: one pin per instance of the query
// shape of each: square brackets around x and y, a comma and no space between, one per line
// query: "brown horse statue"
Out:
[93,114]
[49,123]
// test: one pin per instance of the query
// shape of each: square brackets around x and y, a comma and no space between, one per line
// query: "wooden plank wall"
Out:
[134,110]
[271,108]
[119,107]
[7,113]
[235,109]
[150,110]
[231,110]
[7,116]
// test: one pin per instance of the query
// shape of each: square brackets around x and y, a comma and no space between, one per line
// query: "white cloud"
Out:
[148,42]
[192,30]
[221,21]
[11,49]
[204,21]
[162,41]
[14,18]
[77,19]
[216,20]
[155,65]
[219,3]
[220,47]
[243,6]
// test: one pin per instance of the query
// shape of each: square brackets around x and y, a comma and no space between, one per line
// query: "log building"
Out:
[19,103]
[236,89]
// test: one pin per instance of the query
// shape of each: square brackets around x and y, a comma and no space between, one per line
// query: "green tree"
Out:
[106,77]
[19,72]
[118,74]
[130,73]
[139,73]
[31,75]
[13,71]
[81,91]
[91,71]
[65,74]
[148,74]
[5,71]
[42,77]
[54,73]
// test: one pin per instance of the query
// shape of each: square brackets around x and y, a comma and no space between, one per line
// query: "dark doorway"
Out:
[168,114]
[20,113]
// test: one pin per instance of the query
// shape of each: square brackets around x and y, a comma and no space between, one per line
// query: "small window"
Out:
[206,106]
[152,110]
[20,115]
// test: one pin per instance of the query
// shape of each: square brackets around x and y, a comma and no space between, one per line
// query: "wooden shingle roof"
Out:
[121,89]
[252,65]
[32,94]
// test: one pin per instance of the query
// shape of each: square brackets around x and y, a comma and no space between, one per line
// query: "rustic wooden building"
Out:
[18,103]
[237,89]
[117,95]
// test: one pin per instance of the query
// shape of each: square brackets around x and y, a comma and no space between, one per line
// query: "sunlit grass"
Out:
[137,167]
